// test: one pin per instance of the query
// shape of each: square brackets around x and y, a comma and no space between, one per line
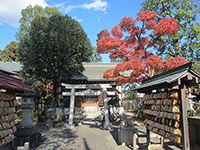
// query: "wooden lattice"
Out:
[7,118]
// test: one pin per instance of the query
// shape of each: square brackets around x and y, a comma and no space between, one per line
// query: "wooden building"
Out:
[9,86]
[90,90]
[166,103]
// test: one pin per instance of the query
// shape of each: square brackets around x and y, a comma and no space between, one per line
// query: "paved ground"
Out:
[88,136]
[155,138]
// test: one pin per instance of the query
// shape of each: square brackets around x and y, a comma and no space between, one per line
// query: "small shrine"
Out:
[91,92]
[166,104]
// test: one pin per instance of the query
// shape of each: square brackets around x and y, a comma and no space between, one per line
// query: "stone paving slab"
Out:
[88,136]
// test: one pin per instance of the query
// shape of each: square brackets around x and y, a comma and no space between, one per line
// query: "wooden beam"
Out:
[109,93]
[148,137]
[189,77]
[196,80]
[86,86]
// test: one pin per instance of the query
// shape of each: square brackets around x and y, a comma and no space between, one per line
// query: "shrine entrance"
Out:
[89,98]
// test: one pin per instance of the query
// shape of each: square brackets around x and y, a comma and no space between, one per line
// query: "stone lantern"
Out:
[26,131]
[27,105]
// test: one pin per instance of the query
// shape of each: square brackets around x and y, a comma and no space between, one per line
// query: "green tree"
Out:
[53,49]
[196,66]
[9,53]
[130,95]
[29,13]
[186,42]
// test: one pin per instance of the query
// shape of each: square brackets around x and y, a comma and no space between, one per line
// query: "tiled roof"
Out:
[11,83]
[11,67]
[95,71]
[166,78]
[92,72]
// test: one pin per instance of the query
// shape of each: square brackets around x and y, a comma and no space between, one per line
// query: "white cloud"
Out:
[98,5]
[78,19]
[70,8]
[10,11]
[60,5]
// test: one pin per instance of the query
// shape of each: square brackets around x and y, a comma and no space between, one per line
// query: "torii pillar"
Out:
[106,111]
[71,111]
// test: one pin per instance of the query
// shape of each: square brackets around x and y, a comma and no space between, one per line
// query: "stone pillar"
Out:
[121,97]
[106,114]
[27,105]
[60,95]
[119,89]
[71,111]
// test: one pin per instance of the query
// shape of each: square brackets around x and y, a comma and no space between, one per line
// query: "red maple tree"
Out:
[132,40]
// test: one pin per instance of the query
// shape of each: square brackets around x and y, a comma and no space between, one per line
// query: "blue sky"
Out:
[93,15]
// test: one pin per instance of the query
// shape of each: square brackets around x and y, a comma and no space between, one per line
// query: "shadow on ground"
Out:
[92,123]
[86,144]
[58,137]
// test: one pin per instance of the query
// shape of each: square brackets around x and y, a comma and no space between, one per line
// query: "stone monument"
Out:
[26,131]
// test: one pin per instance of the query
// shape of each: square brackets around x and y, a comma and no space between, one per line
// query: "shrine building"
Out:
[84,93]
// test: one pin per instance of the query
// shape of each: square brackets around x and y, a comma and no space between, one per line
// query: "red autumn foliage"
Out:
[175,62]
[154,63]
[122,80]
[166,26]
[103,34]
[110,73]
[126,23]
[151,24]
[107,44]
[117,32]
[146,16]
[131,41]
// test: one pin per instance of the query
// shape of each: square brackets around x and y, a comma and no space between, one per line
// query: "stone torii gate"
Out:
[101,89]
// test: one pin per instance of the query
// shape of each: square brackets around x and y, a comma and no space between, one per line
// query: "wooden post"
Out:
[148,137]
[134,141]
[106,114]
[162,142]
[186,140]
[71,112]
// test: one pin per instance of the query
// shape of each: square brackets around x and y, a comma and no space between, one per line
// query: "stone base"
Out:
[70,126]
[31,135]
[155,147]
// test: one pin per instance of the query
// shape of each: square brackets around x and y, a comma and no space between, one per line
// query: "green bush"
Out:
[34,117]
[197,108]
